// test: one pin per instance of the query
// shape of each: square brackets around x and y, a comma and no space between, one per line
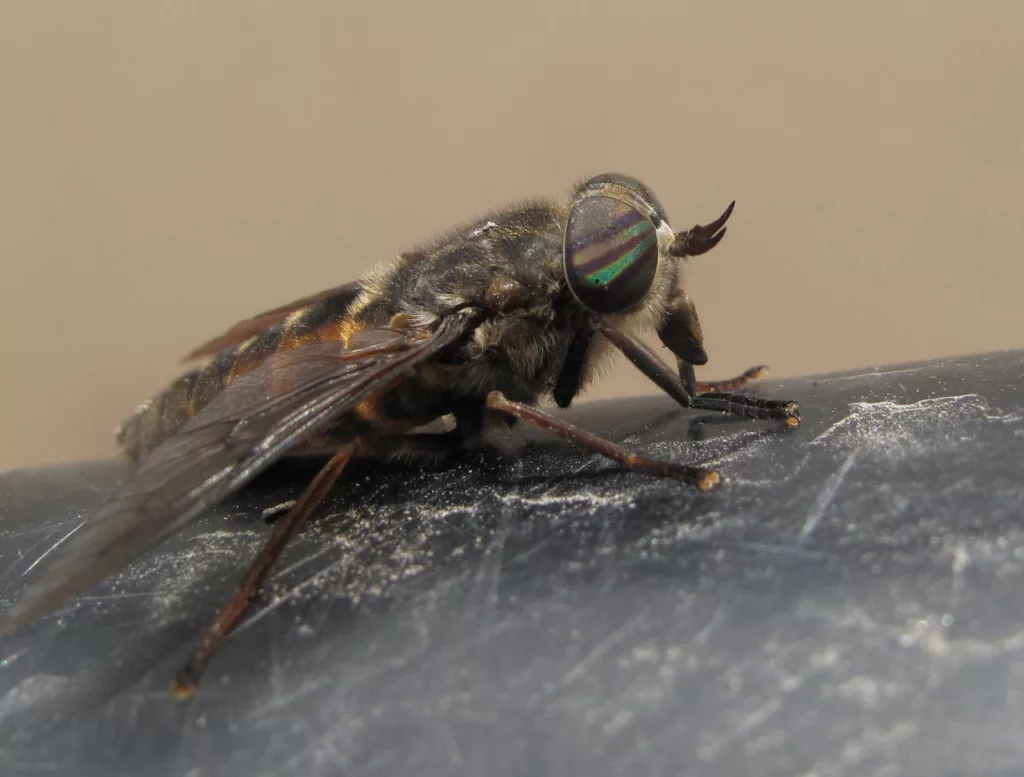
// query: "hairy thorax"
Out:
[508,265]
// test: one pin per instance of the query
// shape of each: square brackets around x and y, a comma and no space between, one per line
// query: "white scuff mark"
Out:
[53,547]
[33,690]
[928,633]
[825,498]
[896,430]
[578,498]
[720,462]
[167,580]
[722,452]
[1006,418]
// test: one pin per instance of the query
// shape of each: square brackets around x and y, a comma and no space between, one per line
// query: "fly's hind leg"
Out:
[704,479]
[230,616]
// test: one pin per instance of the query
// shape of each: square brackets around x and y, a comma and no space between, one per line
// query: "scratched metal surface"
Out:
[850,603]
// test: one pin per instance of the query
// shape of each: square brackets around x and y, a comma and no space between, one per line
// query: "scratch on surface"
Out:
[13,564]
[53,547]
[580,668]
[825,498]
[488,573]
[290,594]
[753,720]
[873,742]
[6,662]
[786,550]
[306,559]
[961,558]
[451,746]
[887,373]
[126,595]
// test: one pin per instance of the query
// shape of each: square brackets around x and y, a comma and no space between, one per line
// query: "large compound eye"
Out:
[635,187]
[611,254]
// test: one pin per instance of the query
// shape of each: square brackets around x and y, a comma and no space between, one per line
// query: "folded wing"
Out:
[293,395]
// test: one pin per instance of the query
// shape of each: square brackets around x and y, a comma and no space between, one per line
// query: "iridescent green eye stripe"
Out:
[608,274]
[596,248]
[610,254]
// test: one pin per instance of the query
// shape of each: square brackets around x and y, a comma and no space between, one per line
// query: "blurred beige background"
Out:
[169,168]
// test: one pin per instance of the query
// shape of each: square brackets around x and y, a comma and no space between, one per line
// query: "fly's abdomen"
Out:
[157,417]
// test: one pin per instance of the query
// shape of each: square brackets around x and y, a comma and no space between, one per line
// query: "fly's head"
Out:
[622,258]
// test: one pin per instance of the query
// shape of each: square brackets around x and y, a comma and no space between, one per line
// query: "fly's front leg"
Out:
[717,395]
[738,404]
[681,333]
[694,387]
[731,384]
[704,479]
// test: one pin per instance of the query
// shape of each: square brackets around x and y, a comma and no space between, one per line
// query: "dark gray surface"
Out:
[850,602]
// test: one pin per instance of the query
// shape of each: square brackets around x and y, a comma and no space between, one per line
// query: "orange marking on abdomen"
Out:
[297,341]
[246,359]
[369,409]
[340,331]
[290,340]
[330,332]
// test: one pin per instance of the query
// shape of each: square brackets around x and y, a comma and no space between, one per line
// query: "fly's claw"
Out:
[792,414]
